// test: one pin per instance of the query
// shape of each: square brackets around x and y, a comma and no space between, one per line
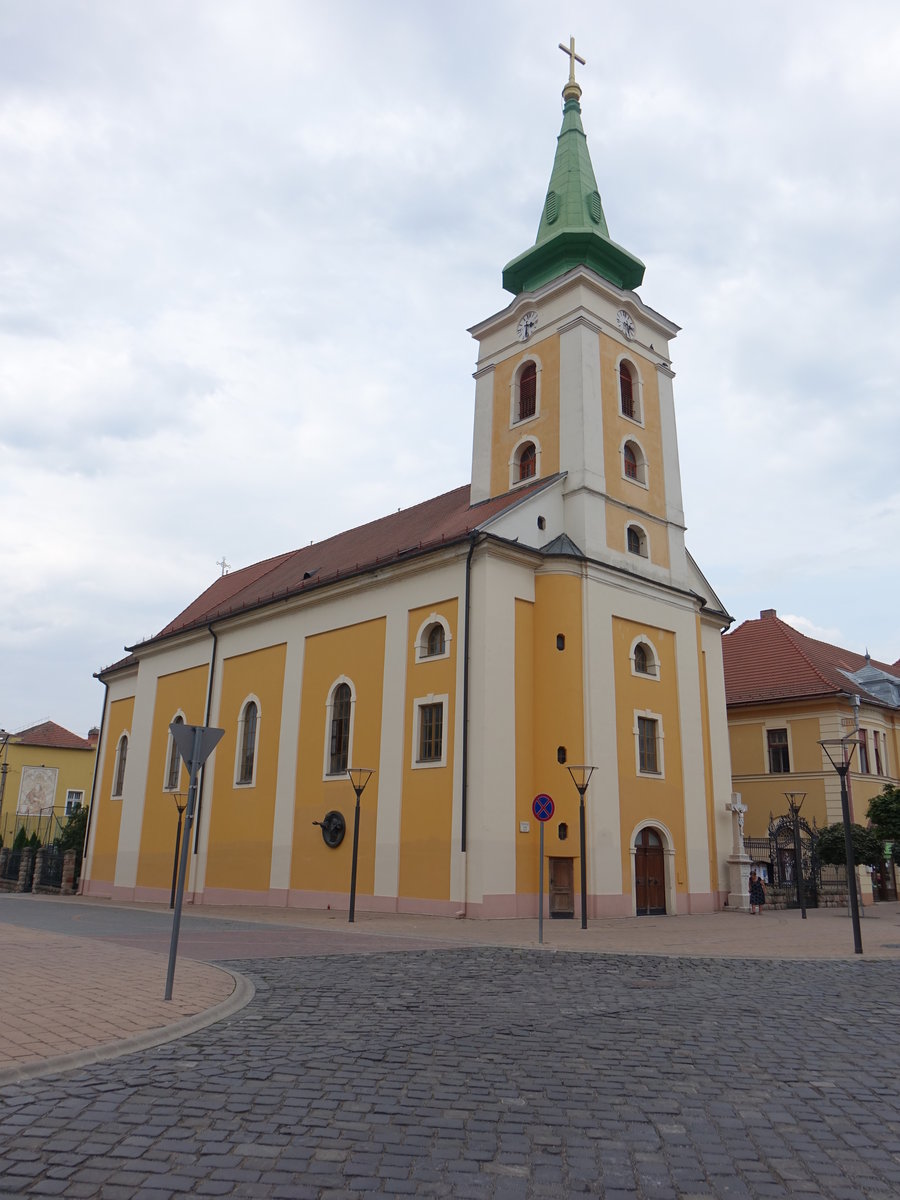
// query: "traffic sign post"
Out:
[194,743]
[543,808]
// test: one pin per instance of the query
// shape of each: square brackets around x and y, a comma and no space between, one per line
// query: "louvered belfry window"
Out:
[527,391]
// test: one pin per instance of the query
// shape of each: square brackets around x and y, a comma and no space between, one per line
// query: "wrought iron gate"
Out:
[777,853]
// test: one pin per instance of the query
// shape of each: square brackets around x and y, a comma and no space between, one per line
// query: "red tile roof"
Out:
[768,660]
[425,527]
[53,736]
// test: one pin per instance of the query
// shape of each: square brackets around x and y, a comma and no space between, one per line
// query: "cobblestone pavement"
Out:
[491,1072]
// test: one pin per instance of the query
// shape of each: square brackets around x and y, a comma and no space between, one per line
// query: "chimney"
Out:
[767,612]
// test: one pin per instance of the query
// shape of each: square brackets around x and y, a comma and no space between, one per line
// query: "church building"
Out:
[467,650]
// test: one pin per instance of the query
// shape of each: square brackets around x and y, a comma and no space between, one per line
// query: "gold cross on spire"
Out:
[573,58]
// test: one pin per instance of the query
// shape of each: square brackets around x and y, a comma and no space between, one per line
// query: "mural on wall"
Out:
[37,791]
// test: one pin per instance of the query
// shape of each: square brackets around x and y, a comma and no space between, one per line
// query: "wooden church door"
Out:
[649,874]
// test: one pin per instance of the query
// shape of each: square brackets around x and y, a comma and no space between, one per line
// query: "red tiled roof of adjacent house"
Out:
[442,520]
[53,736]
[767,659]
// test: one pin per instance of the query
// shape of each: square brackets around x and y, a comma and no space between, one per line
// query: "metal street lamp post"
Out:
[180,803]
[795,802]
[843,769]
[581,777]
[359,777]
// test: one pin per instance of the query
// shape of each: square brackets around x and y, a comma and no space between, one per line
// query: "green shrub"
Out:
[831,847]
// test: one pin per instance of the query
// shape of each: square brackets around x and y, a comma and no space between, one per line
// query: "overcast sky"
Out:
[242,243]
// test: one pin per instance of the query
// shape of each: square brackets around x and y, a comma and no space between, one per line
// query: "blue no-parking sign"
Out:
[543,807]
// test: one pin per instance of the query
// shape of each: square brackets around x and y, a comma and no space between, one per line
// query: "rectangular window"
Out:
[864,751]
[648,741]
[74,801]
[878,770]
[431,732]
[779,758]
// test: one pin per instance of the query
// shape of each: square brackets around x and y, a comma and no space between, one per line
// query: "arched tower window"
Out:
[527,462]
[636,541]
[527,391]
[435,641]
[634,464]
[626,390]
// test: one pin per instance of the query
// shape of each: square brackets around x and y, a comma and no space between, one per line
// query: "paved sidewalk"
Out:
[66,1001]
[89,975]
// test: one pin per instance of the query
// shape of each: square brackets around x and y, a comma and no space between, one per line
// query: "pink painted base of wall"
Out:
[490,908]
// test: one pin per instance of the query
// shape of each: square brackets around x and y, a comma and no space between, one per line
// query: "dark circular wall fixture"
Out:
[333,828]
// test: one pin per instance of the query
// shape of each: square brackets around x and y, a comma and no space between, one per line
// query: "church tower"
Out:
[574,377]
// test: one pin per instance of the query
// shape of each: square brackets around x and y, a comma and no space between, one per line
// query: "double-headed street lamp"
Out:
[359,777]
[795,802]
[581,777]
[844,748]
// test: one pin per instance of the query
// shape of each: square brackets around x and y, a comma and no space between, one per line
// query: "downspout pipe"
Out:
[206,712]
[90,816]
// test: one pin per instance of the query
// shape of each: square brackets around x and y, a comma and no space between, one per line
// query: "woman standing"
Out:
[757,893]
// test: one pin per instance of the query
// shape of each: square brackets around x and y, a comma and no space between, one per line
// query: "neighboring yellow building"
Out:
[468,649]
[45,776]
[786,693]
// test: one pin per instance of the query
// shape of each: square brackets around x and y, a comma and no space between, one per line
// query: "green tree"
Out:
[72,836]
[867,846]
[884,813]
[20,841]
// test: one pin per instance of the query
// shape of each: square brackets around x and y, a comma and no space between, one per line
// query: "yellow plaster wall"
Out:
[427,797]
[241,818]
[108,812]
[616,428]
[544,428]
[184,692]
[646,798]
[549,714]
[357,652]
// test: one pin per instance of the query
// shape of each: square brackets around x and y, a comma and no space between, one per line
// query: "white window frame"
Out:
[74,796]
[239,743]
[647,715]
[644,552]
[643,466]
[514,390]
[523,441]
[643,640]
[425,629]
[171,749]
[329,707]
[125,737]
[638,389]
[418,704]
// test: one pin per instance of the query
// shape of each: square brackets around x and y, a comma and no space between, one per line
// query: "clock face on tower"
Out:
[526,326]
[625,323]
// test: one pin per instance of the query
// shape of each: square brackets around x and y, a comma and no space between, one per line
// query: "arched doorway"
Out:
[649,873]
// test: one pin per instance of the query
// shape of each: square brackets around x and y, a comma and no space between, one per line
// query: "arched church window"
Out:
[636,540]
[626,391]
[248,725]
[173,767]
[119,772]
[339,753]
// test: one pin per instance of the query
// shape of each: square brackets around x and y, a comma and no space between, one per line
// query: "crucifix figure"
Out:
[738,808]
[573,57]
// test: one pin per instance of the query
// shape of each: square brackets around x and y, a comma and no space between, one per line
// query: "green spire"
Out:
[573,228]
